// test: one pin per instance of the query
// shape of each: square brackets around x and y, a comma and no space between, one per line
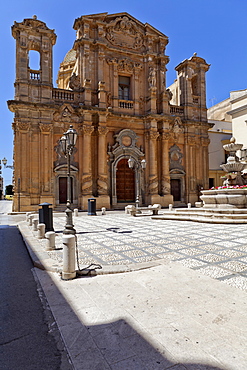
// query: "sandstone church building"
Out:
[111,87]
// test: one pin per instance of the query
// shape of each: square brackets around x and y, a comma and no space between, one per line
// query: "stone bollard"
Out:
[198,204]
[103,211]
[170,207]
[35,224]
[76,212]
[50,243]
[68,272]
[41,231]
[189,205]
[30,218]
[27,216]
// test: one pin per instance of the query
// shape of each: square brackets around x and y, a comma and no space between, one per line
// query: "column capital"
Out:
[86,129]
[103,130]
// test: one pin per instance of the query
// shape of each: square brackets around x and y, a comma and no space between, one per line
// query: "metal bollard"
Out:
[76,212]
[68,272]
[189,205]
[35,224]
[41,231]
[50,243]
[170,207]
[30,218]
[103,211]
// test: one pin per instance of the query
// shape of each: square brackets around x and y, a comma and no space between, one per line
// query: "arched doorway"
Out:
[125,182]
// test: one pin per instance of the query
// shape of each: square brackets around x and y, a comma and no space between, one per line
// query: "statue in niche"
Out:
[152,77]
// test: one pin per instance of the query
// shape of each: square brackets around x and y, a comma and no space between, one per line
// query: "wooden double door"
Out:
[125,182]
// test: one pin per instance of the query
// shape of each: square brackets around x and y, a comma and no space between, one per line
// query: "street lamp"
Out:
[4,160]
[138,166]
[67,142]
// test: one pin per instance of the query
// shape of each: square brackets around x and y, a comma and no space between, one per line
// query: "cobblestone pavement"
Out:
[217,250]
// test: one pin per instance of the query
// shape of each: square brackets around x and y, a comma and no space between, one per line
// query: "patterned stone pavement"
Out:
[217,250]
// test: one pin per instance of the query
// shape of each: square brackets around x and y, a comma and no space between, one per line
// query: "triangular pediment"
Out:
[123,30]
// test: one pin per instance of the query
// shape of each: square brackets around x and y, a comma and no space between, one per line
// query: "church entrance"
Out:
[176,189]
[63,190]
[125,182]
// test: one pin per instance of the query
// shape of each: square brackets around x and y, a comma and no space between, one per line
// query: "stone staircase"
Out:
[213,215]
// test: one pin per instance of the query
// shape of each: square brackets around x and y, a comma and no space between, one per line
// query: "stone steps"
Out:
[223,216]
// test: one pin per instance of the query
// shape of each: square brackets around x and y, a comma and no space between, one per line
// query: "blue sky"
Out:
[215,29]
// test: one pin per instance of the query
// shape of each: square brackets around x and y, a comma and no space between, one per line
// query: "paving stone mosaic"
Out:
[216,250]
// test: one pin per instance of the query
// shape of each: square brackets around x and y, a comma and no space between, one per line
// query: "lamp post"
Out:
[4,160]
[138,166]
[67,142]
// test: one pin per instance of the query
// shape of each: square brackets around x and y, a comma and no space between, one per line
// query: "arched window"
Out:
[34,64]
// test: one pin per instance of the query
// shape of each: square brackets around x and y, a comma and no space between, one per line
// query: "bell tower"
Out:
[33,85]
[192,87]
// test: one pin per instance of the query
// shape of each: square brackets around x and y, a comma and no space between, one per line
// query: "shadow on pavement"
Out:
[95,343]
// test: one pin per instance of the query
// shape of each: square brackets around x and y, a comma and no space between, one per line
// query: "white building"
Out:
[230,118]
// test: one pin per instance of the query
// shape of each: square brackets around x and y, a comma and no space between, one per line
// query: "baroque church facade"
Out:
[111,87]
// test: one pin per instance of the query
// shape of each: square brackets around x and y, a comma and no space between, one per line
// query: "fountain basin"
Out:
[224,198]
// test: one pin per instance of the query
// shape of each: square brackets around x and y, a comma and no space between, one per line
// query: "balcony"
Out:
[176,110]
[34,75]
[126,104]
[59,94]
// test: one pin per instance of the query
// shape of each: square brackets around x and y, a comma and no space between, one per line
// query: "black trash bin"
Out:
[46,216]
[91,211]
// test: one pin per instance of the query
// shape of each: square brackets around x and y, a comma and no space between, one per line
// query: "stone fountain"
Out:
[231,194]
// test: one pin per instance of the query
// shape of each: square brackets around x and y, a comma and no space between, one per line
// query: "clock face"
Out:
[126,141]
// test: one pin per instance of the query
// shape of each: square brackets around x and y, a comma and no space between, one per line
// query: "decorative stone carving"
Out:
[175,156]
[86,186]
[153,135]
[65,114]
[166,186]
[166,135]
[86,129]
[108,100]
[205,141]
[102,185]
[22,126]
[125,33]
[153,185]
[125,65]
[177,128]
[191,140]
[152,77]
[45,127]
[103,130]
[169,94]
[74,82]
